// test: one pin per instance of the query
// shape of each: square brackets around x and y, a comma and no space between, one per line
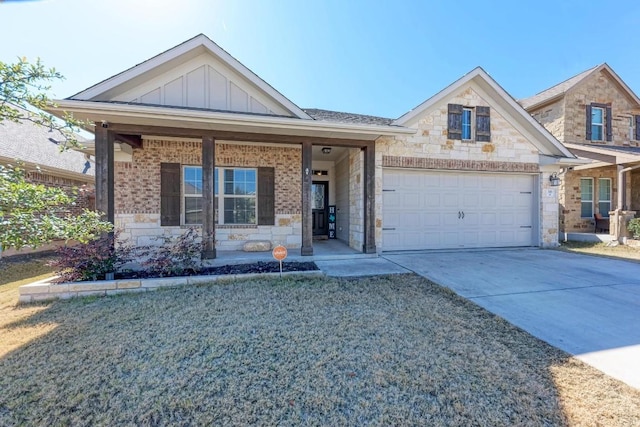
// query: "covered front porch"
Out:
[130,189]
[608,185]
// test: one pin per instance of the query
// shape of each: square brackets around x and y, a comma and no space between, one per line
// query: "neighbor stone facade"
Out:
[137,191]
[508,151]
[566,120]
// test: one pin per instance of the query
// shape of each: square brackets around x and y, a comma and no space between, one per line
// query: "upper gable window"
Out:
[467,114]
[468,123]
[599,122]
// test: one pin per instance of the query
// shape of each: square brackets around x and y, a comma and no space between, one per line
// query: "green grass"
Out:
[395,350]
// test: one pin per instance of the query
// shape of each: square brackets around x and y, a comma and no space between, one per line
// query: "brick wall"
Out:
[570,198]
[83,193]
[137,191]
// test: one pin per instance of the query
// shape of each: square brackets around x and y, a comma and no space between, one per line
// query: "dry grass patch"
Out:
[15,272]
[601,249]
[395,350]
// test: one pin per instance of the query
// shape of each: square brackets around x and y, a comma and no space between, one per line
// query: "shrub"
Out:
[175,256]
[634,227]
[92,260]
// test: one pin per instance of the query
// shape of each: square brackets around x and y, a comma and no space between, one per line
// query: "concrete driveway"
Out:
[585,305]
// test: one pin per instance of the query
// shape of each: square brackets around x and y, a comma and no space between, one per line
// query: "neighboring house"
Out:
[597,117]
[205,142]
[38,150]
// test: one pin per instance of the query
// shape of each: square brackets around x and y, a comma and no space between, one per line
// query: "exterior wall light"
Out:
[554,180]
[326,150]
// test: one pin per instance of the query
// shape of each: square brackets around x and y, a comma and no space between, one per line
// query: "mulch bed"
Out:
[256,267]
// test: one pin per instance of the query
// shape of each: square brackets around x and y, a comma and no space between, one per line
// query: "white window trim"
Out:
[632,128]
[605,214]
[585,201]
[471,124]
[219,171]
[602,124]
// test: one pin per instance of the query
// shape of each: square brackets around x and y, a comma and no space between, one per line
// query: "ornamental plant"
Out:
[634,227]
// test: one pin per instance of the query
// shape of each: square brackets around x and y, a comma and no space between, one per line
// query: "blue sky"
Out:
[369,57]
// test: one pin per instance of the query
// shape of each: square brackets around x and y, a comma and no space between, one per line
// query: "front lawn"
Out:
[601,249]
[394,350]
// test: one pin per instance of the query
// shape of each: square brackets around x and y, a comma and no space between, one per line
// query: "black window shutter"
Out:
[169,194]
[609,127]
[483,124]
[266,196]
[637,122]
[454,122]
[588,130]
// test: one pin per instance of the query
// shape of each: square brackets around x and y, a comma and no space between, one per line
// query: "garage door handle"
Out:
[462,214]
[388,228]
[459,214]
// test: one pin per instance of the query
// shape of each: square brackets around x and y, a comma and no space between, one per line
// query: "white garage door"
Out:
[440,210]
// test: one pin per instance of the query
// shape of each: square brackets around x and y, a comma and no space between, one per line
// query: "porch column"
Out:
[104,140]
[369,246]
[208,198]
[307,226]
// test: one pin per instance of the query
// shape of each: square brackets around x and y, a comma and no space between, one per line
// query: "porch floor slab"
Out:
[323,250]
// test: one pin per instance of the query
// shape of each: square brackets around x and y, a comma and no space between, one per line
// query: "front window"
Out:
[467,130]
[234,189]
[604,196]
[632,128]
[586,196]
[597,123]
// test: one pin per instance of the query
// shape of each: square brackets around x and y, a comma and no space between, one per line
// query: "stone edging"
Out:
[44,291]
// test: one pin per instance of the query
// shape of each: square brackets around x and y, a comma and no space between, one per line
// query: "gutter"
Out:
[208,118]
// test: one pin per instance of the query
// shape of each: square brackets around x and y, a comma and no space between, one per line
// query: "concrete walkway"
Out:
[588,306]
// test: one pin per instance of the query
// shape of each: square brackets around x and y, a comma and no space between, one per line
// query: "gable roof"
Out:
[37,146]
[544,141]
[180,53]
[558,91]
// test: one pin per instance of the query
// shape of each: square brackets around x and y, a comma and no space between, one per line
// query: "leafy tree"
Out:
[23,98]
[33,214]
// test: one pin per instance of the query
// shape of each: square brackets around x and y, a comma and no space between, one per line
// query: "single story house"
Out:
[203,141]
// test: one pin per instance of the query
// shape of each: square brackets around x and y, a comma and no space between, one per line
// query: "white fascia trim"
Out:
[562,161]
[198,41]
[209,118]
[621,156]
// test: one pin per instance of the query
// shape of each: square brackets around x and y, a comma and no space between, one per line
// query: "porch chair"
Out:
[601,224]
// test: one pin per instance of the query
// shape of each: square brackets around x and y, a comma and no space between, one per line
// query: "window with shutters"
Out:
[599,122]
[634,128]
[467,128]
[234,188]
[586,197]
[469,123]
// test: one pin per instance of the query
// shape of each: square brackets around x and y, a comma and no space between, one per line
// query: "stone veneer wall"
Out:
[552,117]
[137,191]
[429,148]
[597,88]
[356,197]
[570,198]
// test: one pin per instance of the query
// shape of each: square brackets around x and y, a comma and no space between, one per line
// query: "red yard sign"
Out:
[279,252]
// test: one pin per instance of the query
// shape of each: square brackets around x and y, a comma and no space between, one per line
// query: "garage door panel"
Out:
[424,210]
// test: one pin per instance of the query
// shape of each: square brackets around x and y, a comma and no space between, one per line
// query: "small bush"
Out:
[634,227]
[175,257]
[92,260]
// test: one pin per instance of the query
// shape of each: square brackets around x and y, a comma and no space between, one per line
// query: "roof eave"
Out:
[207,119]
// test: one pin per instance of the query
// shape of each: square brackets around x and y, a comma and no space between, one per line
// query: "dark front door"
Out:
[319,202]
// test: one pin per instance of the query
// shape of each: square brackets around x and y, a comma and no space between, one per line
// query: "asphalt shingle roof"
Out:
[555,91]
[340,117]
[28,142]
